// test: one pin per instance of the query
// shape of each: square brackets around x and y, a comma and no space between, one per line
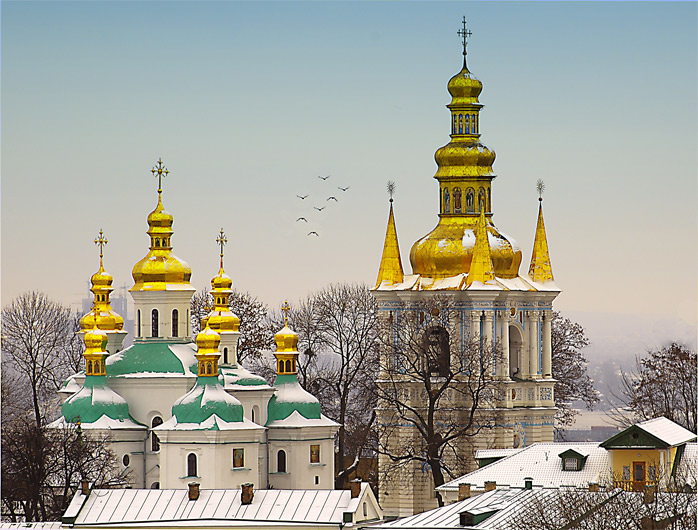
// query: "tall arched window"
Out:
[191,465]
[460,124]
[288,366]
[154,440]
[225,355]
[281,461]
[155,323]
[438,354]
[138,328]
[175,323]
[467,124]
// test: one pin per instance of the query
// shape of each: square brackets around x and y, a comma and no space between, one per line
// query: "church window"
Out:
[157,242]
[475,123]
[89,368]
[455,124]
[238,458]
[365,510]
[314,454]
[467,124]
[460,124]
[209,368]
[154,324]
[281,367]
[281,461]
[317,479]
[255,414]
[138,328]
[155,441]
[288,366]
[175,323]
[191,465]
[447,201]
[225,355]
[155,486]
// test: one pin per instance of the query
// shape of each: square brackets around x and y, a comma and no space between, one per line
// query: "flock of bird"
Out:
[319,208]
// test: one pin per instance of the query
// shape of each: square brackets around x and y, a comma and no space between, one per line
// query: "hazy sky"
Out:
[248,102]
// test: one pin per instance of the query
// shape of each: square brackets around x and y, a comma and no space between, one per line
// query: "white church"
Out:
[182,410]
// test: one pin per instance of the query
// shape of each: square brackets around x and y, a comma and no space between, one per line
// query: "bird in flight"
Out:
[343,189]
[313,233]
[301,196]
[323,178]
[319,209]
[333,198]
[302,219]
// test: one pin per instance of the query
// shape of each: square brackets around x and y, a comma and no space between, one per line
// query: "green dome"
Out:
[205,399]
[94,400]
[153,357]
[290,396]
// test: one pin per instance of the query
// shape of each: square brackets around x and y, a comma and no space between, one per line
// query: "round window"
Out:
[126,460]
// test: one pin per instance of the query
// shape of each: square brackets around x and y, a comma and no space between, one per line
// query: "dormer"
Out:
[573,460]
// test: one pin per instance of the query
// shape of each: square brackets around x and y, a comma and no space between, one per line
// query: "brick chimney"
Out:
[193,491]
[490,485]
[85,487]
[246,493]
[594,487]
[463,491]
[355,486]
[648,494]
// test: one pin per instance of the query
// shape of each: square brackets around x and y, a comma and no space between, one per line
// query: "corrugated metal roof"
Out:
[496,453]
[541,463]
[667,431]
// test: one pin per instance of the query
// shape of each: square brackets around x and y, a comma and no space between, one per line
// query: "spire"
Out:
[540,270]
[481,269]
[390,269]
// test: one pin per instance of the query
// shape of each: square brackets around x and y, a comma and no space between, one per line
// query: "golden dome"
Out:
[94,341]
[207,342]
[464,87]
[464,159]
[221,281]
[286,340]
[161,270]
[223,320]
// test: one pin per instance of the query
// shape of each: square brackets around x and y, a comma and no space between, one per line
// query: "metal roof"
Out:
[667,431]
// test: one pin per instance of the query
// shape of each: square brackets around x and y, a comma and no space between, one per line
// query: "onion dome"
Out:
[289,396]
[160,270]
[208,397]
[221,319]
[102,315]
[465,186]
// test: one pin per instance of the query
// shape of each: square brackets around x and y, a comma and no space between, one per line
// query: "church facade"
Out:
[179,410]
[467,263]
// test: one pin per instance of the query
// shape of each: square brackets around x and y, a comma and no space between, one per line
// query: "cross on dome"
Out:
[221,240]
[159,170]
[285,308]
[464,34]
[101,241]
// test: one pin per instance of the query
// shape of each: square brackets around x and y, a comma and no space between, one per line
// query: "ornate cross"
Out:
[285,308]
[221,240]
[101,241]
[464,34]
[391,189]
[159,170]
[540,187]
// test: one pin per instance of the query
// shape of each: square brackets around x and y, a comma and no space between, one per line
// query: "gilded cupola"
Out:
[465,189]
[160,270]
[101,313]
[221,319]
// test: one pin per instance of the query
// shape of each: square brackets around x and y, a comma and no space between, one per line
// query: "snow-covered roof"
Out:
[295,419]
[212,423]
[542,463]
[496,453]
[667,431]
[416,282]
[103,422]
[47,525]
[218,508]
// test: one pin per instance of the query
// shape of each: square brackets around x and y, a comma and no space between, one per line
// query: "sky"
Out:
[248,103]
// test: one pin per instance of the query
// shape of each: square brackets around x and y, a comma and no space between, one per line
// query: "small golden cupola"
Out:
[160,270]
[221,319]
[101,313]
[540,269]
[390,270]
[95,352]
[207,353]
[286,346]
[465,188]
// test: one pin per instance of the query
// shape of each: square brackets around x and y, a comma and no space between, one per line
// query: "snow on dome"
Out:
[94,400]
[205,399]
[289,397]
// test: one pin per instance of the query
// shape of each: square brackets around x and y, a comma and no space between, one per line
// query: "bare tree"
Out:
[663,383]
[435,391]
[37,340]
[569,368]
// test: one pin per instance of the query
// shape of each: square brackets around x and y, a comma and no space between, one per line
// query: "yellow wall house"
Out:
[647,453]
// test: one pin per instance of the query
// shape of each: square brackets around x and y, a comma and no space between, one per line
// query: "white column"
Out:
[533,317]
[488,328]
[475,325]
[504,342]
[547,344]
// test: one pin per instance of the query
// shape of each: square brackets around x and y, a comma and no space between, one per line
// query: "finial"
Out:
[391,189]
[464,33]
[221,240]
[159,170]
[285,308]
[101,241]
[540,188]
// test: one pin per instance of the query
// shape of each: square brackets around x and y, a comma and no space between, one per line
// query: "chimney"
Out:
[247,493]
[528,483]
[355,486]
[594,487]
[463,491]
[193,491]
[85,487]
[490,485]
[648,494]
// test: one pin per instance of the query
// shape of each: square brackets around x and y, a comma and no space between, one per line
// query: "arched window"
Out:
[225,355]
[467,124]
[175,323]
[460,124]
[457,198]
[454,127]
[447,201]
[191,465]
[209,369]
[280,369]
[470,200]
[154,440]
[157,242]
[288,366]
[255,414]
[138,329]
[89,368]
[281,461]
[155,323]
[438,354]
